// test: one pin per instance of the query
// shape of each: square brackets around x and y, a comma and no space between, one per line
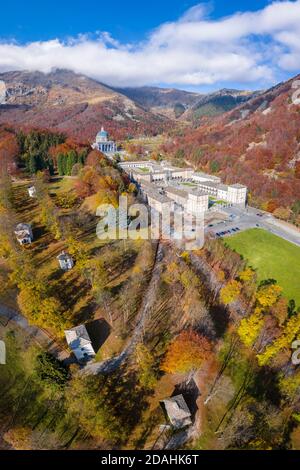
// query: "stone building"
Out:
[65,261]
[32,191]
[177,411]
[103,144]
[79,341]
[24,234]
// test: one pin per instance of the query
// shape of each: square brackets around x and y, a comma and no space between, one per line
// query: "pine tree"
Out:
[71,161]
[60,164]
[32,166]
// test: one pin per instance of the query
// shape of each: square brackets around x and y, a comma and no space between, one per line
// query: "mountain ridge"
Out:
[258,144]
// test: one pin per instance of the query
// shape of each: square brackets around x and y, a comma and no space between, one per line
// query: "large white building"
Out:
[103,144]
[190,200]
[154,172]
[233,194]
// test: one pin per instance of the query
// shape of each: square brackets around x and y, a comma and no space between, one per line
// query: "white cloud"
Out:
[249,47]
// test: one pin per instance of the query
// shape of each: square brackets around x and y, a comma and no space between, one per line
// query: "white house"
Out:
[79,341]
[177,411]
[65,261]
[2,353]
[24,234]
[32,191]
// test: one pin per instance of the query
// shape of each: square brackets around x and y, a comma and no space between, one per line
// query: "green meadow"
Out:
[272,257]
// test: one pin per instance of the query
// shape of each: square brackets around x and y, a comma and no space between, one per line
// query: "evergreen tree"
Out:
[32,164]
[71,161]
[60,164]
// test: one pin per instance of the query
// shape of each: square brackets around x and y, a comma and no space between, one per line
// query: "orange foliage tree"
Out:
[186,352]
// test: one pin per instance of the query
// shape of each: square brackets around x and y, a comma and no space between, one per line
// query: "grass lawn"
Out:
[213,200]
[272,257]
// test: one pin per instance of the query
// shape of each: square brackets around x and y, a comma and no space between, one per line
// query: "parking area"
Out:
[236,219]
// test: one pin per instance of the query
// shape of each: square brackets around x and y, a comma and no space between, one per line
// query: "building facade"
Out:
[188,189]
[24,234]
[65,261]
[32,191]
[80,343]
[103,144]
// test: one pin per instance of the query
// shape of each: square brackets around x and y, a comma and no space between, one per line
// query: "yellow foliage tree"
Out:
[77,249]
[250,328]
[290,332]
[290,385]
[268,295]
[19,438]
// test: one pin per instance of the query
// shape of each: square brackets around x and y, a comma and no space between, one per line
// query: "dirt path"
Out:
[42,337]
[111,365]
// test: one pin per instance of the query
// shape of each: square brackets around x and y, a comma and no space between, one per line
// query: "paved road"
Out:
[43,338]
[248,218]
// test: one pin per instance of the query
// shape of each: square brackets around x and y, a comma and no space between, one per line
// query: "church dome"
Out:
[102,136]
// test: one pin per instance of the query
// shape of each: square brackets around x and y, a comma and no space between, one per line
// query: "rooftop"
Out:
[212,177]
[210,184]
[64,256]
[77,337]
[238,186]
[224,187]
[158,196]
[177,411]
[176,191]
[23,227]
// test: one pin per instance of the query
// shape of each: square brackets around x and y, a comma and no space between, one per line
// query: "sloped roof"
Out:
[178,411]
[23,227]
[77,337]
[64,256]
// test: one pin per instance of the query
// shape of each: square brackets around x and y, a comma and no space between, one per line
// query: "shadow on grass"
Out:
[220,318]
[190,393]
[99,331]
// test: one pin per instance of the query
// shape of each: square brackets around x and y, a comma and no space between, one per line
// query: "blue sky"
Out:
[125,20]
[244,44]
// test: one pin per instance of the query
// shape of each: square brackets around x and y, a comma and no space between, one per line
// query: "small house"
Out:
[177,411]
[32,191]
[65,261]
[24,234]
[2,352]
[79,341]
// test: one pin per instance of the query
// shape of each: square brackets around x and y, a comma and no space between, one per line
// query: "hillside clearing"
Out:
[272,257]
